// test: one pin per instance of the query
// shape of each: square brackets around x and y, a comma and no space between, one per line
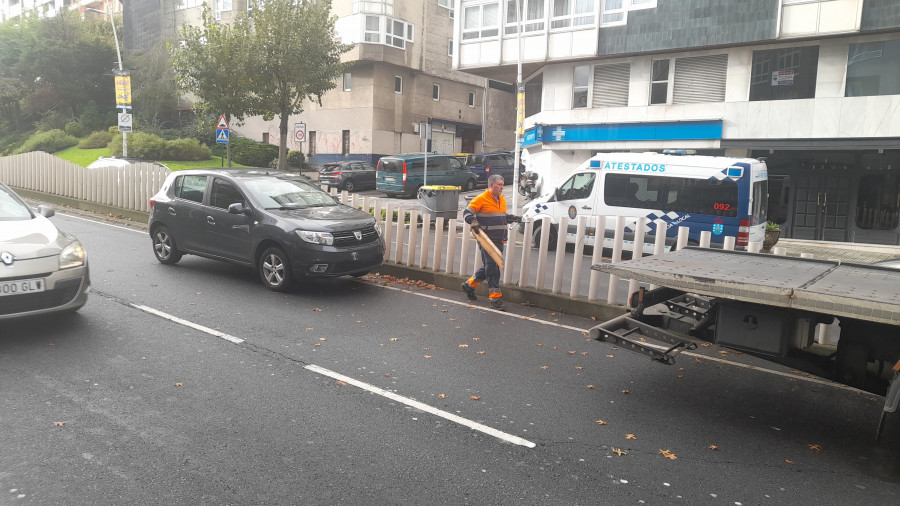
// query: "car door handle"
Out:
[210,220]
[172,211]
[586,207]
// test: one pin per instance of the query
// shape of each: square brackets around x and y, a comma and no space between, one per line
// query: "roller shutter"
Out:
[700,79]
[611,85]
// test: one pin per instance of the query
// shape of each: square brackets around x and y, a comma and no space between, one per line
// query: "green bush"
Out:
[140,145]
[295,159]
[49,142]
[186,149]
[11,142]
[75,129]
[96,140]
[248,152]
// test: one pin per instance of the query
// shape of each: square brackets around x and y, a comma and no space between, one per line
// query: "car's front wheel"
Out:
[275,269]
[164,247]
[470,185]
[348,185]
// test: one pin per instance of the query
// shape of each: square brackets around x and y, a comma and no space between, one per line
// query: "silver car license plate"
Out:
[21,286]
[389,180]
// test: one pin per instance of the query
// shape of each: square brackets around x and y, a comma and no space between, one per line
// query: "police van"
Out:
[725,196]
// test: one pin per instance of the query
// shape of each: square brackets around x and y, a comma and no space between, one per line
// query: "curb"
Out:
[137,216]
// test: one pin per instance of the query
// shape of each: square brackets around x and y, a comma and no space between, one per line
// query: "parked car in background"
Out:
[486,164]
[42,269]
[403,175]
[348,175]
[461,157]
[279,223]
[119,161]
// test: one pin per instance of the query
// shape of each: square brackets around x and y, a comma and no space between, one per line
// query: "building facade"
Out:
[813,86]
[401,83]
[14,9]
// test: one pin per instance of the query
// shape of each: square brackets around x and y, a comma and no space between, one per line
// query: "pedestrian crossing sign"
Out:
[221,136]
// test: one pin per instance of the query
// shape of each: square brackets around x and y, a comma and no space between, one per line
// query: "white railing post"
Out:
[508,256]
[597,256]
[413,234]
[754,247]
[388,230]
[682,240]
[451,246]
[637,252]
[728,243]
[705,238]
[426,238]
[561,238]
[618,240]
[579,254]
[438,243]
[401,223]
[464,249]
[542,252]
[525,264]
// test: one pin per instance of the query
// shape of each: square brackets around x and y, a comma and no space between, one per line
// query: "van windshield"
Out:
[679,194]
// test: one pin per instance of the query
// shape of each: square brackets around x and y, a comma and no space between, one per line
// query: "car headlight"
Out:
[72,255]
[316,237]
[378,229]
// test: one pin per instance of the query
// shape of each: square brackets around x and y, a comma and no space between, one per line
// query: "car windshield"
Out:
[11,207]
[276,193]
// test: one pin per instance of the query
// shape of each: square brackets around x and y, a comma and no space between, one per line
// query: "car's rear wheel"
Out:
[275,269]
[348,185]
[470,185]
[164,247]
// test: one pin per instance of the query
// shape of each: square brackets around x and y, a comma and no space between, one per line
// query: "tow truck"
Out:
[767,306]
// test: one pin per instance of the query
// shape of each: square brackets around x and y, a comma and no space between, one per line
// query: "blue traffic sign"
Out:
[221,136]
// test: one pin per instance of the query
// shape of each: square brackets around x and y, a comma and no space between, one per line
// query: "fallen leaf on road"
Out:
[316,309]
[619,452]
[198,293]
[539,344]
[480,352]
[545,367]
[593,318]
[475,398]
[387,375]
[238,313]
[143,358]
[591,387]
[713,447]
[424,325]
[571,352]
[816,448]
[58,424]
[464,346]
[642,340]
[340,383]
[443,310]
[579,367]
[680,376]
[179,384]
[584,353]
[322,339]
[554,347]
[309,329]
[358,321]
[318,344]
[442,396]
[705,345]
[393,339]
[630,436]
[601,422]
[476,339]
[789,461]
[626,392]
[610,356]
[667,454]
[427,356]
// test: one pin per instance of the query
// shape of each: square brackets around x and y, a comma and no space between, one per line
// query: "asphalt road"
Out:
[193,384]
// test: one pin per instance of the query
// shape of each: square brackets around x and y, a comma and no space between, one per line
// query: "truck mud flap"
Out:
[626,332]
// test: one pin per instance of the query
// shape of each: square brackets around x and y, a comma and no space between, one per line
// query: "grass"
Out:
[84,157]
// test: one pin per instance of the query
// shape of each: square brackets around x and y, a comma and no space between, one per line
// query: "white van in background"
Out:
[722,195]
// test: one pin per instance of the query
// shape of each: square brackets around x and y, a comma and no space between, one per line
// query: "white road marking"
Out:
[819,381]
[201,328]
[509,438]
[142,232]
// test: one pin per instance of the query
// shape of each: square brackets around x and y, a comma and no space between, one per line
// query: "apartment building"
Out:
[14,9]
[401,83]
[813,86]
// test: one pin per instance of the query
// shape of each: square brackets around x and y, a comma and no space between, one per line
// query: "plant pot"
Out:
[771,239]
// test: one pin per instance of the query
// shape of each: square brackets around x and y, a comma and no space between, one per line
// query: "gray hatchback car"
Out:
[279,223]
[42,269]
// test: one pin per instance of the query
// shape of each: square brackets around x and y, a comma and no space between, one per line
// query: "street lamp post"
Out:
[108,13]
[520,107]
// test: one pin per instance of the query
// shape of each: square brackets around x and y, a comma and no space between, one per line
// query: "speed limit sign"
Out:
[299,132]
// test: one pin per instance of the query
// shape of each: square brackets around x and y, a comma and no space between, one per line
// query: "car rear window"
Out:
[330,167]
[474,160]
[390,165]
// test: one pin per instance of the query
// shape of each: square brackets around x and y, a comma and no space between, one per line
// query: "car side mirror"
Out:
[238,208]
[45,211]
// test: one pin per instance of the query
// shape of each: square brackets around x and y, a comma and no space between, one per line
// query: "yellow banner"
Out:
[123,91]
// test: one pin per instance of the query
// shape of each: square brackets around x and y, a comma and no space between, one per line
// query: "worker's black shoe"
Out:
[470,292]
[497,304]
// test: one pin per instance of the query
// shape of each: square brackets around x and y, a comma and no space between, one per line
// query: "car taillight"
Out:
[743,237]
[335,173]
[152,202]
[404,172]
[487,169]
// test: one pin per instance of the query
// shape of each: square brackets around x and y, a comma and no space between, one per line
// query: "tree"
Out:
[213,63]
[297,56]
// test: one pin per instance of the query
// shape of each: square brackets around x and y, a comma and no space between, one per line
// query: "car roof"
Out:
[410,156]
[119,161]
[240,173]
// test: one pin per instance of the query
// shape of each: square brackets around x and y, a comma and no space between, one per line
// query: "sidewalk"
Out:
[843,251]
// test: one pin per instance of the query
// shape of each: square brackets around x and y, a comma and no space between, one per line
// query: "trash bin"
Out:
[439,201]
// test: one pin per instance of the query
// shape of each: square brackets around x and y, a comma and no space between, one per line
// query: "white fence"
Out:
[447,246]
[125,187]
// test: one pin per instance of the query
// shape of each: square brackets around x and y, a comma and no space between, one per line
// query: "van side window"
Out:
[579,186]
[678,194]
[455,164]
[190,188]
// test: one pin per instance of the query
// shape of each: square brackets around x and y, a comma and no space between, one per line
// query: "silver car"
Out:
[42,269]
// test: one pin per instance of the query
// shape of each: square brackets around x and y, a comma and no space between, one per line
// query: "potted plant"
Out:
[773,232]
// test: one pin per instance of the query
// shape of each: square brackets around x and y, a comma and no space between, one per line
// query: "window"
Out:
[810,17]
[659,82]
[471,99]
[347,81]
[374,6]
[533,12]
[222,6]
[784,74]
[190,188]
[450,47]
[580,86]
[345,142]
[572,13]
[480,21]
[613,12]
[224,194]
[873,68]
[312,143]
[579,186]
[395,33]
[398,84]
[611,85]
[700,79]
[372,31]
[672,194]
[876,202]
[435,91]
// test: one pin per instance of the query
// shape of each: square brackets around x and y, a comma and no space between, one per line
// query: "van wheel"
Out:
[470,185]
[348,185]
[551,240]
